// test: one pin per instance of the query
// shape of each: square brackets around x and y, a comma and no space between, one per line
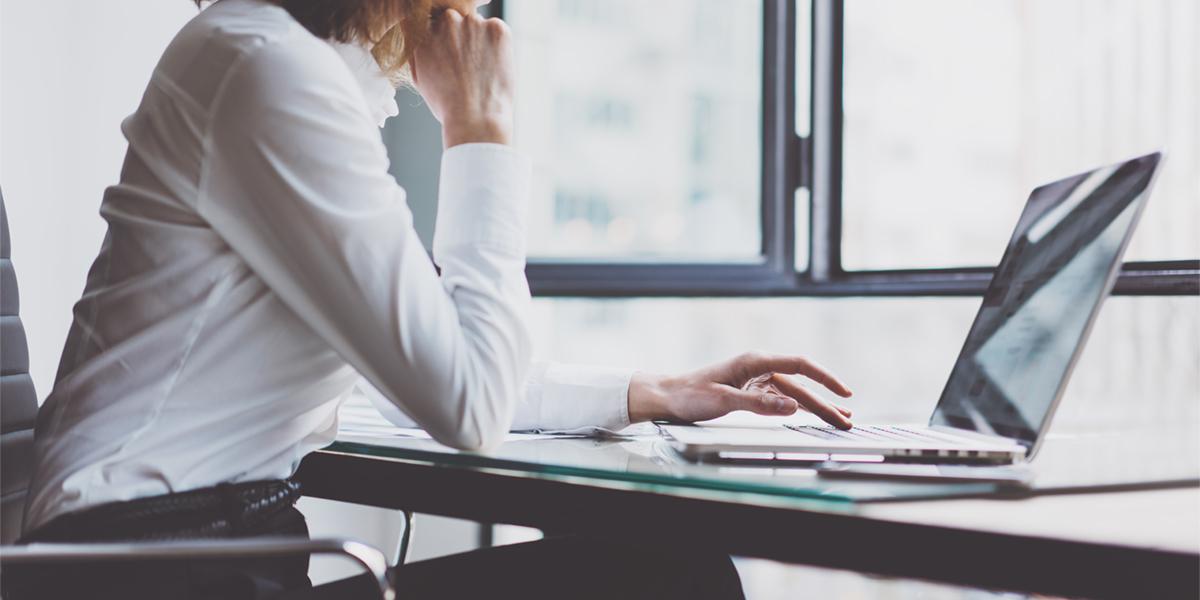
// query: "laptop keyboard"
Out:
[867,433]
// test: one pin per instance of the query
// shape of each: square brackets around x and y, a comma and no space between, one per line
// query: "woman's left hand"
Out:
[761,383]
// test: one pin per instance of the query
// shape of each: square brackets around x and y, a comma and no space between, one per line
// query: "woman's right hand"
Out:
[465,73]
[762,383]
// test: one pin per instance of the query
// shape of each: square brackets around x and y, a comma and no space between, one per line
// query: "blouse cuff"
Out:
[572,396]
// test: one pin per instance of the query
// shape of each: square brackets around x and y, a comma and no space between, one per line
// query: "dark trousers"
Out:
[564,567]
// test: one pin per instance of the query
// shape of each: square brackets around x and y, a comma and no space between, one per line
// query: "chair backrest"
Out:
[18,400]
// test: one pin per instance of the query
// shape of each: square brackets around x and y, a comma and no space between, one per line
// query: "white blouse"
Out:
[260,260]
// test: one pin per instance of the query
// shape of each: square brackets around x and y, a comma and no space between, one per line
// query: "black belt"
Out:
[221,511]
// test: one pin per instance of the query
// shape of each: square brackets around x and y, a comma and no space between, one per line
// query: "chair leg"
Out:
[406,536]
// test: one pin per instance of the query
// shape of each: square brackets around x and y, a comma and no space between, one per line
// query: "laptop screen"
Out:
[1058,268]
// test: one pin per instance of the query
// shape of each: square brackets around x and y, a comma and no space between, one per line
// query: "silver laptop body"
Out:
[1060,264]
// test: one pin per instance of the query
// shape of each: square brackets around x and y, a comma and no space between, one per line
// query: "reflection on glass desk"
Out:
[1068,463]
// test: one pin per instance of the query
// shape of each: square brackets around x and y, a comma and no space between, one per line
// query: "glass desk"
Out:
[1142,543]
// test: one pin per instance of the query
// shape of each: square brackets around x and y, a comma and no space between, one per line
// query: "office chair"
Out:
[18,412]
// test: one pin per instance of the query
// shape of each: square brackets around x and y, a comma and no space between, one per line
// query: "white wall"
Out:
[69,72]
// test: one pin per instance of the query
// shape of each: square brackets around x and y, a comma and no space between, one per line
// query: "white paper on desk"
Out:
[358,418]
[393,432]
[369,414]
[366,397]
[633,431]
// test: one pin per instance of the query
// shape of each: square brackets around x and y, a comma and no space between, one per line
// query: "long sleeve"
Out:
[557,396]
[297,185]
[566,396]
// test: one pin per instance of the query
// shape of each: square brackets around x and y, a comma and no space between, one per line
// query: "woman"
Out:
[260,260]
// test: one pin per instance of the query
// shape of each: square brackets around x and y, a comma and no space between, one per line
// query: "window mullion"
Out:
[779,172]
[825,216]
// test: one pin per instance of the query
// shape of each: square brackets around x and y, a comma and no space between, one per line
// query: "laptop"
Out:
[1060,264]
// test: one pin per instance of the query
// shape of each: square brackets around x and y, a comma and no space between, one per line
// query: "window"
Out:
[830,148]
[643,120]
[955,110]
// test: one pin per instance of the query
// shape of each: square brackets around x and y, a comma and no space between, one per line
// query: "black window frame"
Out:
[791,162]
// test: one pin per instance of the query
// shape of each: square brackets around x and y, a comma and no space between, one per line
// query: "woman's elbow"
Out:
[472,435]
[486,394]
[474,441]
[482,419]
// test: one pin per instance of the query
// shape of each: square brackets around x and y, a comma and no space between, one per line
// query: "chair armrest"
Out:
[371,559]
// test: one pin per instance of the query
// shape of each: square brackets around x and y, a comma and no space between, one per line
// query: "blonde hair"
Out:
[393,29]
